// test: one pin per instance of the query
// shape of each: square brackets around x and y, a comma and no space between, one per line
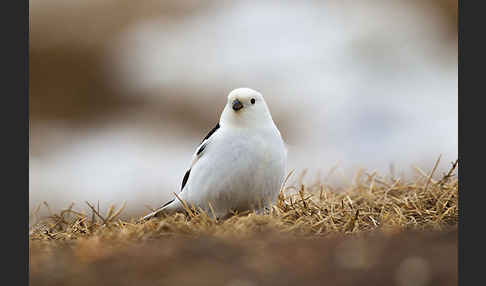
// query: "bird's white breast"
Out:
[240,169]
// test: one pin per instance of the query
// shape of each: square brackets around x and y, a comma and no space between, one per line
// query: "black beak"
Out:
[237,105]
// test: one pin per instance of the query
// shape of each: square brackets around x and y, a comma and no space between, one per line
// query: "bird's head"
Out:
[247,108]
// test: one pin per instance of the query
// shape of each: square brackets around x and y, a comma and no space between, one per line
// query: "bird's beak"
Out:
[237,105]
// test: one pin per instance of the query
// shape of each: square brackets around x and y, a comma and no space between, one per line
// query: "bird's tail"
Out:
[170,207]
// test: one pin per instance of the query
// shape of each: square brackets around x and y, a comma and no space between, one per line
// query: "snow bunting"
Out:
[240,165]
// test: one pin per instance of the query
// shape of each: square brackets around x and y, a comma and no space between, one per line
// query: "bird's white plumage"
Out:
[240,165]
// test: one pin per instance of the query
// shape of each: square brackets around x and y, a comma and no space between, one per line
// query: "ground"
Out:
[378,231]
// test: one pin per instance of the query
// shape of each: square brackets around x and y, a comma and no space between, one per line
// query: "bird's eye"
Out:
[252,101]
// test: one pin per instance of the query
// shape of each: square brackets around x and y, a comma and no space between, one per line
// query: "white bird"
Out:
[240,165]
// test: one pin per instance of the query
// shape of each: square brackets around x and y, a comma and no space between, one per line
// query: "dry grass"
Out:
[371,203]
[376,232]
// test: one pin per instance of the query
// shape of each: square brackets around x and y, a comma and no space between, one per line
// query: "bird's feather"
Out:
[199,151]
[211,132]
[186,177]
[197,155]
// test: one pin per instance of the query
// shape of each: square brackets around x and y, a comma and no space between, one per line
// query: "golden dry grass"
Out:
[376,232]
[371,203]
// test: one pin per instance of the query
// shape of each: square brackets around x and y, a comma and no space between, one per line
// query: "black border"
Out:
[471,66]
[15,140]
[460,85]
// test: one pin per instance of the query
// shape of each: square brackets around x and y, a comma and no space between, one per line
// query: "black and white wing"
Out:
[199,152]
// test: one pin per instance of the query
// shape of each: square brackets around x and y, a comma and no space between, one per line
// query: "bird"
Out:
[240,164]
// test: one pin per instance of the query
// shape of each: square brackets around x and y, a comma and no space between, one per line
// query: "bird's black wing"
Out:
[211,132]
[186,177]
[197,155]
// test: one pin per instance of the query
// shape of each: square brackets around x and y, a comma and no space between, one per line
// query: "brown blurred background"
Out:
[121,92]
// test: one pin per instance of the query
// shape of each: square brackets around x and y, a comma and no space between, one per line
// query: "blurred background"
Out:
[122,92]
